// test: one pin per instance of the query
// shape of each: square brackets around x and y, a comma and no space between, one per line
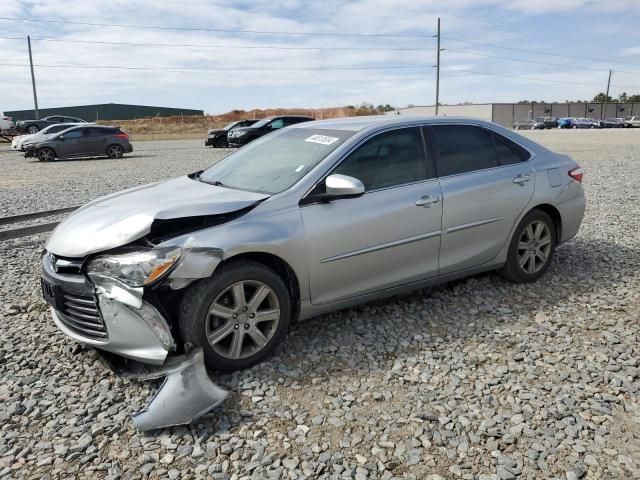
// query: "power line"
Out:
[219,30]
[480,54]
[164,45]
[214,69]
[568,83]
[538,52]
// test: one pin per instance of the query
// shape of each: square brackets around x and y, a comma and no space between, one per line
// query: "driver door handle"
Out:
[522,179]
[427,200]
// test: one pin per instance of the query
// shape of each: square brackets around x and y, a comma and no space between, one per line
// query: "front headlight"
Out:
[136,269]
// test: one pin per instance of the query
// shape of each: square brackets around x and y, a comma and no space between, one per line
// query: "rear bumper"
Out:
[572,213]
[128,148]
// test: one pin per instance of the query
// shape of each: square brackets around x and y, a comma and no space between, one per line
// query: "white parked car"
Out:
[632,121]
[6,123]
[17,143]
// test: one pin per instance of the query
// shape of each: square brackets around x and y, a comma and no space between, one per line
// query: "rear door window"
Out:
[462,149]
[96,132]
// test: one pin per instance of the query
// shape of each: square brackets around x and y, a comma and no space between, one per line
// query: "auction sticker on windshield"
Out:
[323,139]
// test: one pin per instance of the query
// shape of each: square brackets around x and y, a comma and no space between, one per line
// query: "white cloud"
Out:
[247,78]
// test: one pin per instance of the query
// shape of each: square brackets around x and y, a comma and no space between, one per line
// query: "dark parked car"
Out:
[528,125]
[241,136]
[218,137]
[610,123]
[81,142]
[549,122]
[34,126]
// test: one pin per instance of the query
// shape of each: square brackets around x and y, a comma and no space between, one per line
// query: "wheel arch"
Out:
[281,267]
[554,213]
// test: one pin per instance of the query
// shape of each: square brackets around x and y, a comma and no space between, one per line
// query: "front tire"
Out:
[33,129]
[46,155]
[531,249]
[115,151]
[238,316]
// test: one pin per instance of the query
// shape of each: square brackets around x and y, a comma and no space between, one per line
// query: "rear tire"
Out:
[531,249]
[33,129]
[115,151]
[237,317]
[46,155]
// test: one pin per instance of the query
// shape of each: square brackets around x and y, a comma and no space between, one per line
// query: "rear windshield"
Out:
[276,161]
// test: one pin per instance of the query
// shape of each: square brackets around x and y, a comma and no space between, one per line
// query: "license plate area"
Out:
[50,293]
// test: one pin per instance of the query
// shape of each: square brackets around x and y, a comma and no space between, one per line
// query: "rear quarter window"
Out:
[508,151]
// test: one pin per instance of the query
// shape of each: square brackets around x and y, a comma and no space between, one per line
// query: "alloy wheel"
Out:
[534,247]
[45,155]
[242,319]
[32,129]
[114,151]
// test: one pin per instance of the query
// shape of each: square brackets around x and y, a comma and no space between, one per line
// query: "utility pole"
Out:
[606,97]
[438,70]
[33,80]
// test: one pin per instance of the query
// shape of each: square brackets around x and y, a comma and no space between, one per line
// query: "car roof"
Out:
[356,124]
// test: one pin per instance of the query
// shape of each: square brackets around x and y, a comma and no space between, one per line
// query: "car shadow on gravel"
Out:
[369,337]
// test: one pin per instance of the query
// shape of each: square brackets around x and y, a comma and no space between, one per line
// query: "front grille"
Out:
[80,314]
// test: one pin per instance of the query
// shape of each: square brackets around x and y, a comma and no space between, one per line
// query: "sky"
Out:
[220,55]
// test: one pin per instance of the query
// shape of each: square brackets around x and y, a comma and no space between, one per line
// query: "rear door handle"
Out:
[427,200]
[522,179]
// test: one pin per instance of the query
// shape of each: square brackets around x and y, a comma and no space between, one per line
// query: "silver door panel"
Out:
[479,211]
[376,241]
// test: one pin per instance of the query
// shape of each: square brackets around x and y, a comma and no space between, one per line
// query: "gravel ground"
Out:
[479,379]
[27,185]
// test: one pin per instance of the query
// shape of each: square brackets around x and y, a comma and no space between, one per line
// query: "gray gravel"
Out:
[27,185]
[480,379]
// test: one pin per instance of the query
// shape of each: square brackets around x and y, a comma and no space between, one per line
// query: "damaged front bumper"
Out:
[118,320]
[89,316]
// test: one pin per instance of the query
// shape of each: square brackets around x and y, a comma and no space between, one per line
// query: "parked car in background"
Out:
[549,122]
[528,125]
[243,135]
[310,219]
[609,123]
[583,123]
[218,137]
[566,122]
[6,123]
[18,142]
[34,126]
[80,141]
[632,121]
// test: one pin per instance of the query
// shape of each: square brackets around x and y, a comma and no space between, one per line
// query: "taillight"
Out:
[576,174]
[122,136]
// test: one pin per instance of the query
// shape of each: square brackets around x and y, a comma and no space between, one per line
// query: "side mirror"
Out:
[61,138]
[343,186]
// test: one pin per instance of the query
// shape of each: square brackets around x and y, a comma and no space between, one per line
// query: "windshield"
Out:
[276,161]
[231,125]
[263,122]
[54,129]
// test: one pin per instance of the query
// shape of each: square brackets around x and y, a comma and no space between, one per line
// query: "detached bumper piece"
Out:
[186,394]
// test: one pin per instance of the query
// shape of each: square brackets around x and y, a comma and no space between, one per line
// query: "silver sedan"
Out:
[309,219]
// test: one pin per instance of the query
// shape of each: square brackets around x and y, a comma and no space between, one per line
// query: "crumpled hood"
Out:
[123,217]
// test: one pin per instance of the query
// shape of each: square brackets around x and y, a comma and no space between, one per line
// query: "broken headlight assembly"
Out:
[137,268]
